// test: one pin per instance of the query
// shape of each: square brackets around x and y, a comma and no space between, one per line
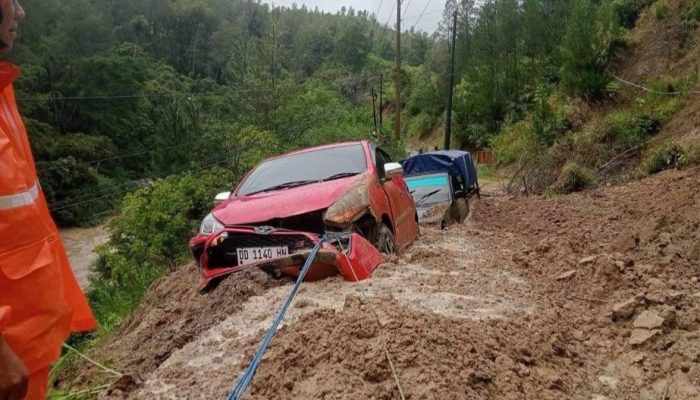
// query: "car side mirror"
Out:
[393,170]
[221,197]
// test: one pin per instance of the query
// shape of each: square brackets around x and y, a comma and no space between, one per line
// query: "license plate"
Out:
[252,255]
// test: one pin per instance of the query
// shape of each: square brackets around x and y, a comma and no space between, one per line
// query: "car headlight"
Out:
[210,225]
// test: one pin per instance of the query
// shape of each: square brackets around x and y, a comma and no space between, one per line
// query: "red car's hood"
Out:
[282,203]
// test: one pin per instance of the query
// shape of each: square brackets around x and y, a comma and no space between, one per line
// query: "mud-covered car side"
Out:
[439,201]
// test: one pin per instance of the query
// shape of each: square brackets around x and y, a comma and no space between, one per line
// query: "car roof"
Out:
[423,175]
[315,148]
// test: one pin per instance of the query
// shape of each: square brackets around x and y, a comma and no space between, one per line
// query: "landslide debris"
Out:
[487,310]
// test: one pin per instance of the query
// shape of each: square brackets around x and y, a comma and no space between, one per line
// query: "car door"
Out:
[400,202]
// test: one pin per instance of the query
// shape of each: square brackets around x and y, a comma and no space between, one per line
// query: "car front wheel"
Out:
[386,243]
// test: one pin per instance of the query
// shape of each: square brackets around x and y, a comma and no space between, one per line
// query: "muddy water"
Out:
[80,245]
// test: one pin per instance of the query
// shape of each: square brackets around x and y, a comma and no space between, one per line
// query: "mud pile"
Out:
[592,295]
[609,307]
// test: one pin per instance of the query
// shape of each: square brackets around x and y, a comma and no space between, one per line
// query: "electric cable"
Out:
[422,13]
[376,16]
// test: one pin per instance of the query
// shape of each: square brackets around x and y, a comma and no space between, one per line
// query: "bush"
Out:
[631,130]
[150,235]
[661,9]
[420,124]
[575,177]
[514,143]
[693,12]
[666,156]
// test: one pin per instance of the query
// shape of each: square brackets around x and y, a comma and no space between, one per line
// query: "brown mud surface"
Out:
[587,296]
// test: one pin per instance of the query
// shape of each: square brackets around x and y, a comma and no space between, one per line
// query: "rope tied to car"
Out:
[244,380]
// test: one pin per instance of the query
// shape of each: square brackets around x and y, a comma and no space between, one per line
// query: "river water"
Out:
[80,245]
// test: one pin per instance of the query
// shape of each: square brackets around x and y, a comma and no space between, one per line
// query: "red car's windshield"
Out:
[304,168]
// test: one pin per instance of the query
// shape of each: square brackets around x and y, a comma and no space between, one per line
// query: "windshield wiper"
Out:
[425,196]
[287,185]
[340,175]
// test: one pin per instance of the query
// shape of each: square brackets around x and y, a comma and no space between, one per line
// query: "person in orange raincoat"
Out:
[40,300]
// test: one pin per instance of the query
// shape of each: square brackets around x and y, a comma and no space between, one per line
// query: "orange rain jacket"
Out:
[40,300]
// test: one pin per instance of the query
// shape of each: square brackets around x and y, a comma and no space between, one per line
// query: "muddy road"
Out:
[587,296]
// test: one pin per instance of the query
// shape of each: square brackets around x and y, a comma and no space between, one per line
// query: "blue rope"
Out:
[245,379]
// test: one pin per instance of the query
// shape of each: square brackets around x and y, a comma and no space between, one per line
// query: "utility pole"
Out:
[374,109]
[272,54]
[448,118]
[381,101]
[398,71]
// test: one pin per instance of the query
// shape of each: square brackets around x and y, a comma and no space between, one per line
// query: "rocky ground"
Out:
[587,296]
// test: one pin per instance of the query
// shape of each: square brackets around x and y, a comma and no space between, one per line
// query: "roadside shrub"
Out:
[668,155]
[630,130]
[420,124]
[514,143]
[156,222]
[668,98]
[693,11]
[575,177]
[149,236]
[472,135]
[661,9]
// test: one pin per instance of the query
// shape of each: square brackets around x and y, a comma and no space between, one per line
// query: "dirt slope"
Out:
[666,47]
[533,298]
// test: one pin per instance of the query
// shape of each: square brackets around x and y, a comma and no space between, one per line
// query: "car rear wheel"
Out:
[385,240]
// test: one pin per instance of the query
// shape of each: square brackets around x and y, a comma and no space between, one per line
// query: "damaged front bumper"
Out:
[349,254]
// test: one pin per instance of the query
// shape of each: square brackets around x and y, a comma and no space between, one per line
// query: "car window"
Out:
[387,157]
[379,163]
[427,190]
[306,167]
[381,157]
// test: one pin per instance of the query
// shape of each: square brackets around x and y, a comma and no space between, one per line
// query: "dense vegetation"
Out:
[116,95]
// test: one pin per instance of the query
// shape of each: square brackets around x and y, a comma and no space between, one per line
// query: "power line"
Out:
[376,16]
[156,149]
[136,184]
[101,195]
[123,156]
[224,93]
[122,188]
[408,4]
[646,89]
[422,13]
[390,15]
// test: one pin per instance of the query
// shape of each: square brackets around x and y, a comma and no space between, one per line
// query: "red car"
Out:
[283,207]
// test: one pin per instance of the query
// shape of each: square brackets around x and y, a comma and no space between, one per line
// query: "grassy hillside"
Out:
[644,120]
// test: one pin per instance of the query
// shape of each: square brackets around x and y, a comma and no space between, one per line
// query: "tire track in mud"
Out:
[207,366]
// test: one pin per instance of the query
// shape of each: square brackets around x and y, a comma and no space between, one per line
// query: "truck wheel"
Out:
[386,243]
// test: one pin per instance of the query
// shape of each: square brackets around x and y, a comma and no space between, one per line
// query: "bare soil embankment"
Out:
[592,295]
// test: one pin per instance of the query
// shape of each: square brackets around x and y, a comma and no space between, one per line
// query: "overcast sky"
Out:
[411,10]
